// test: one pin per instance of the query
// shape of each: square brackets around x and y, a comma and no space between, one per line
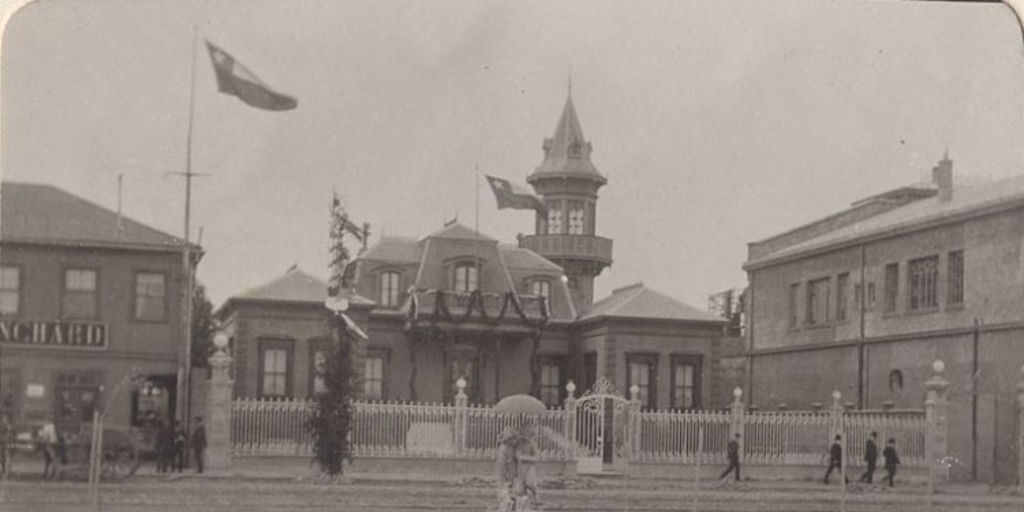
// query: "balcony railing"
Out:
[595,248]
[495,308]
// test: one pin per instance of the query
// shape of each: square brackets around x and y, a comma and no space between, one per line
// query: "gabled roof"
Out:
[36,213]
[638,301]
[456,231]
[567,153]
[294,286]
[925,213]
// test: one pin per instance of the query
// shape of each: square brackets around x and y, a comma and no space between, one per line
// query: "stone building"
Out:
[864,300]
[86,295]
[507,318]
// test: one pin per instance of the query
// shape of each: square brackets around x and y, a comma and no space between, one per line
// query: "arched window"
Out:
[895,381]
[466,278]
[541,287]
[389,286]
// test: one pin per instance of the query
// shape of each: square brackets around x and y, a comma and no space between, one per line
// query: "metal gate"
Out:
[602,429]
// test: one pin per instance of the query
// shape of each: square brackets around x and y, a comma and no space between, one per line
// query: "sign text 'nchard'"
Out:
[53,334]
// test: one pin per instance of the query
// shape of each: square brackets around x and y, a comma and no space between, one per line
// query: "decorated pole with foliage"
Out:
[330,420]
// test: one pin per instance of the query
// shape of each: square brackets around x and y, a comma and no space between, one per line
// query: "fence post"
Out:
[936,410]
[461,411]
[736,421]
[570,418]
[218,451]
[1020,432]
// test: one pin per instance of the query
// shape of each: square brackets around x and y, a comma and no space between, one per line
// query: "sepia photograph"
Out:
[485,255]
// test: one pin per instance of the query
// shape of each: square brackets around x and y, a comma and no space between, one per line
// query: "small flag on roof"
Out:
[515,196]
[235,79]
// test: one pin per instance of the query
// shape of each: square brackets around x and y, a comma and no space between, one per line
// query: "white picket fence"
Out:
[269,427]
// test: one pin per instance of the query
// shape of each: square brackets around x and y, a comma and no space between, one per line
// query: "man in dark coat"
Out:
[891,461]
[871,457]
[199,443]
[733,451]
[835,457]
[164,448]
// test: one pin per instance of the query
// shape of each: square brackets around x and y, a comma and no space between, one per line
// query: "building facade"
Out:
[506,318]
[864,300]
[86,297]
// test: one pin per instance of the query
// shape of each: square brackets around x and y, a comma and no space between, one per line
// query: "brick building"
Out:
[864,300]
[86,295]
[507,318]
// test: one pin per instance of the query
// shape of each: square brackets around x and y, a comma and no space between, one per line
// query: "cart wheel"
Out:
[120,457]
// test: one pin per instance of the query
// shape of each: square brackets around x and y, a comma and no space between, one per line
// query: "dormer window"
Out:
[540,287]
[467,277]
[389,286]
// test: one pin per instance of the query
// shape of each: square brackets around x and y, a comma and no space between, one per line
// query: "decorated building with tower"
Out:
[506,318]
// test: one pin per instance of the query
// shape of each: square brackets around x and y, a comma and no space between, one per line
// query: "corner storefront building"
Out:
[505,318]
[86,296]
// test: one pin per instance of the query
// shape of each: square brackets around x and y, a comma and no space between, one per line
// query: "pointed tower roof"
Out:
[567,153]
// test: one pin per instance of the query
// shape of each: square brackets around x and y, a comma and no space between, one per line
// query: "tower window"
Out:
[555,218]
[576,217]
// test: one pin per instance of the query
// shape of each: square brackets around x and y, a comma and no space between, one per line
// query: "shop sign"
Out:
[53,334]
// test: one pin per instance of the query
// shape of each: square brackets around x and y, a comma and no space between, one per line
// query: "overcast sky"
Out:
[717,122]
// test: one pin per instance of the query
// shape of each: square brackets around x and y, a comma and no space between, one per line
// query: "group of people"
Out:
[835,455]
[171,444]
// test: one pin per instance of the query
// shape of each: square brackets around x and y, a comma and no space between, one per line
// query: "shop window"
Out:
[10,290]
[923,274]
[640,370]
[389,286]
[275,369]
[955,275]
[686,382]
[552,380]
[80,298]
[150,296]
[151,403]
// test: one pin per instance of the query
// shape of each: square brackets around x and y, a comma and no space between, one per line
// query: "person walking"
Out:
[891,461]
[46,440]
[733,452]
[871,457]
[178,462]
[199,443]
[835,457]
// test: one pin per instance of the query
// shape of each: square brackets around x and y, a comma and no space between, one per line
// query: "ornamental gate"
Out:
[603,429]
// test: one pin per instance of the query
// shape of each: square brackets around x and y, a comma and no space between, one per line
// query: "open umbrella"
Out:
[520,404]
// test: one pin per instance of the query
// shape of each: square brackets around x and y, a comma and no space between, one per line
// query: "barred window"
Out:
[892,286]
[818,301]
[955,289]
[924,277]
[842,288]
[10,290]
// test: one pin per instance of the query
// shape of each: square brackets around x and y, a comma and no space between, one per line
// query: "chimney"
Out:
[942,177]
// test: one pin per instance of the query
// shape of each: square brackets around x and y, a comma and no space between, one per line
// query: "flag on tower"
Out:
[235,79]
[515,196]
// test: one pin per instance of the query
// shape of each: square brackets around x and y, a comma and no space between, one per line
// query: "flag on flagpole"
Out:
[515,196]
[235,79]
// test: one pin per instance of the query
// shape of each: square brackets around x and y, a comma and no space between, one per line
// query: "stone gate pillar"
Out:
[218,434]
[736,421]
[936,409]
[634,421]
[461,415]
[570,419]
